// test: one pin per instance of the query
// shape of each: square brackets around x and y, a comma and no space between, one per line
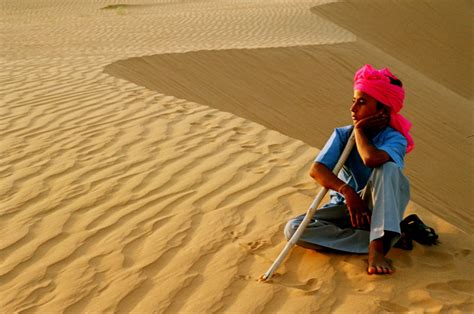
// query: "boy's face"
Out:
[363,106]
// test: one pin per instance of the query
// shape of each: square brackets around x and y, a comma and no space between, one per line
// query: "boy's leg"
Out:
[387,194]
[331,228]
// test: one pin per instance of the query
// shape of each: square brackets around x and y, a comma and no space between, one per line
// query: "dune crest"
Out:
[118,198]
[304,92]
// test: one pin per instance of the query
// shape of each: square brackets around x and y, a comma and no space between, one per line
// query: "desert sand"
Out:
[152,151]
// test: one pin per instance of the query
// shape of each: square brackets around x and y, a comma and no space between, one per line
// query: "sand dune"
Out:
[432,37]
[116,197]
[305,92]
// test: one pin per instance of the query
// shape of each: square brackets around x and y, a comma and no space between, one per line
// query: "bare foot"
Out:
[378,264]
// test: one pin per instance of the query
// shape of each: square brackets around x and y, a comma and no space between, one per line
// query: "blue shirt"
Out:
[354,172]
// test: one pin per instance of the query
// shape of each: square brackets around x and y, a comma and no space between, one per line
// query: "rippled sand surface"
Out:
[142,188]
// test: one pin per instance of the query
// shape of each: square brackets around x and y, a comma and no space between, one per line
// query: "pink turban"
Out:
[376,83]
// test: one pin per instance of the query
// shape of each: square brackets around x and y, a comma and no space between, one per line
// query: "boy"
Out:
[370,195]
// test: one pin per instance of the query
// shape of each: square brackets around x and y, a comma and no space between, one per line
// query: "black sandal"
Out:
[415,229]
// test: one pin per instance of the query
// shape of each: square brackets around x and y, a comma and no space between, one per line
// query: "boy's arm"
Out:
[325,177]
[371,156]
[359,213]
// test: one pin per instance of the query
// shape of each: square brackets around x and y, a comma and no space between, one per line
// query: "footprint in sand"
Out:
[311,286]
[446,290]
[234,235]
[243,277]
[253,246]
[462,253]
[436,259]
[438,286]
[462,286]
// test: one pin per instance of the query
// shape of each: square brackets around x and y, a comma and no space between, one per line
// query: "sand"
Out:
[152,152]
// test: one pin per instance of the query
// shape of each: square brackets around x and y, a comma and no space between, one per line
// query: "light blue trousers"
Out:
[386,194]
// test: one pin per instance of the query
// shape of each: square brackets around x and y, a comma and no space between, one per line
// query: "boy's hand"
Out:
[360,215]
[374,122]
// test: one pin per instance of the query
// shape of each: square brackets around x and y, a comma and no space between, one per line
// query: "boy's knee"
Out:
[388,167]
[388,172]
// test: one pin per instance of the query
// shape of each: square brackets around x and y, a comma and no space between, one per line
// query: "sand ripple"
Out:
[118,198]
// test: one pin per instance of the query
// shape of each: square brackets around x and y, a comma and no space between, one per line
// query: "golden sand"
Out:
[151,153]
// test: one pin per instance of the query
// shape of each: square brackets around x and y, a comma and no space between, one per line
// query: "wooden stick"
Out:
[309,213]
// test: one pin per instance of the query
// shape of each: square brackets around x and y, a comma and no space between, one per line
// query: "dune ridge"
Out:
[297,91]
[115,197]
[431,37]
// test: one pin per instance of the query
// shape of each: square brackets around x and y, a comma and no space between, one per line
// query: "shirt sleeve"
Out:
[395,145]
[331,151]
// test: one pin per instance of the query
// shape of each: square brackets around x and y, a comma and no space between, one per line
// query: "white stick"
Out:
[309,214]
